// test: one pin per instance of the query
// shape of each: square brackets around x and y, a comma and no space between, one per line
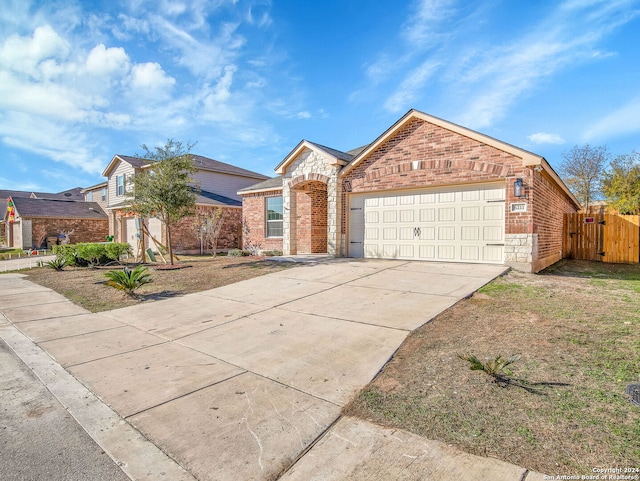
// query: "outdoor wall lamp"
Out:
[518,188]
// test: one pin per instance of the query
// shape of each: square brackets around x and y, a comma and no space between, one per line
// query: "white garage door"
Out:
[453,224]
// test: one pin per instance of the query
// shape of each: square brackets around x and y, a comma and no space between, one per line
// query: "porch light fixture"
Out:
[518,188]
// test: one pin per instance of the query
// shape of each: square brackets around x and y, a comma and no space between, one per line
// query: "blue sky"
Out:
[81,81]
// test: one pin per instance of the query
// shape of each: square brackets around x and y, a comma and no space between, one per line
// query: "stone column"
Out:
[289,244]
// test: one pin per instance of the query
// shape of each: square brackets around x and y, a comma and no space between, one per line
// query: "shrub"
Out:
[91,254]
[56,264]
[128,280]
[115,250]
[235,253]
[66,252]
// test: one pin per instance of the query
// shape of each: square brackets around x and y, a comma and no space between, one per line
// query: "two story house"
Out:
[219,183]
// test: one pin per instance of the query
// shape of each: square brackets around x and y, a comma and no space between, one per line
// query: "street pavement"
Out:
[39,440]
[247,381]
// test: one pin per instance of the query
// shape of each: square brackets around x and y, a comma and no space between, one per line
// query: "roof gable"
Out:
[336,157]
[135,162]
[528,158]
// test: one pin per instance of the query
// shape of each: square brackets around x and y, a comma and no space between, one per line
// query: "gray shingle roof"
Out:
[274,183]
[338,154]
[54,208]
[211,198]
[134,161]
[201,162]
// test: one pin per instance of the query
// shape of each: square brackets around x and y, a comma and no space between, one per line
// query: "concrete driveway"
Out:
[237,382]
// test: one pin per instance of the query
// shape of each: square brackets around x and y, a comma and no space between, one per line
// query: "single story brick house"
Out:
[426,189]
[31,222]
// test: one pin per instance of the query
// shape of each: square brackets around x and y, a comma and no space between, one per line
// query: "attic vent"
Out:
[67,194]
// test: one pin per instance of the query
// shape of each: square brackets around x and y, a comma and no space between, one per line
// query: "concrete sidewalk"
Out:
[247,380]
[24,262]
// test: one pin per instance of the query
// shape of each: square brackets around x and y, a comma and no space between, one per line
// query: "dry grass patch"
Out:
[87,287]
[577,329]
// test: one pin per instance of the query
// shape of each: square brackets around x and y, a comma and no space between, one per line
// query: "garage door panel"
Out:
[463,224]
[427,252]
[427,215]
[493,254]
[470,233]
[390,251]
[446,233]
[406,251]
[407,215]
[470,196]
[446,252]
[470,253]
[444,197]
[446,214]
[496,194]
[390,216]
[427,233]
[492,234]
[372,217]
[389,233]
[407,233]
[470,214]
[493,212]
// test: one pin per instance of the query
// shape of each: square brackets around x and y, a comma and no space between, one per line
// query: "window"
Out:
[89,197]
[103,194]
[120,185]
[274,216]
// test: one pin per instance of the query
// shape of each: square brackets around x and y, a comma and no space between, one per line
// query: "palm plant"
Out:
[56,264]
[128,280]
[496,368]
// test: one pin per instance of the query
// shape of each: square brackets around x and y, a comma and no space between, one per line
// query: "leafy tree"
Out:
[621,183]
[582,171]
[166,189]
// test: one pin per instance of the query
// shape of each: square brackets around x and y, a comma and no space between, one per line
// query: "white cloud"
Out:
[57,141]
[546,138]
[423,28]
[107,61]
[24,54]
[303,115]
[407,93]
[623,121]
[150,76]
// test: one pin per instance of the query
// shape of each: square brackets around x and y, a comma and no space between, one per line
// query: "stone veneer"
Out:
[310,166]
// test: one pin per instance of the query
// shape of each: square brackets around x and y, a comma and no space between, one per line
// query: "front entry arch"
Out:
[311,223]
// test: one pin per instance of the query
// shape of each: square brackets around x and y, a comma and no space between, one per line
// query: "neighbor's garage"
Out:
[451,224]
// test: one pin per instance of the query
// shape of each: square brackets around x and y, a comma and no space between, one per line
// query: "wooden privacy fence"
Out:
[605,237]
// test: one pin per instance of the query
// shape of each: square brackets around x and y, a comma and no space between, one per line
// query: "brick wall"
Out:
[84,230]
[253,211]
[549,204]
[185,234]
[422,154]
[303,221]
[311,218]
